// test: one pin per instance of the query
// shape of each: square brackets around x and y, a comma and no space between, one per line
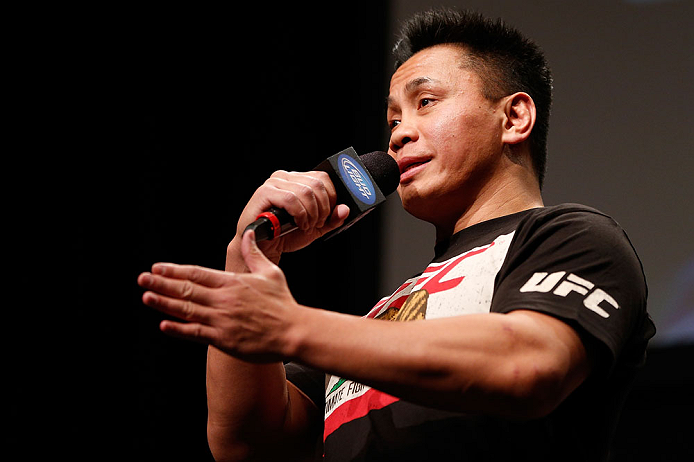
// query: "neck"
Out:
[515,191]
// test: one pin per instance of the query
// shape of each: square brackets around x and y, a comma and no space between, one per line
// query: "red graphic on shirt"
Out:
[434,284]
[356,408]
[395,304]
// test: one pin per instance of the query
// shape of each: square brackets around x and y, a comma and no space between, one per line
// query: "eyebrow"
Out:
[411,86]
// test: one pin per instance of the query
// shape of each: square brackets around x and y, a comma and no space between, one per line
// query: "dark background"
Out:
[218,100]
[220,105]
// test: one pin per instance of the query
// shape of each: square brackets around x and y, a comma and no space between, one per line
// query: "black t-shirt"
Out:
[568,261]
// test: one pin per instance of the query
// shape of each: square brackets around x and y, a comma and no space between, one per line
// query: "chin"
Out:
[433,205]
[419,207]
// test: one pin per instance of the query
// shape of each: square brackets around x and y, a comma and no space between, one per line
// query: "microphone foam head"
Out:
[383,169]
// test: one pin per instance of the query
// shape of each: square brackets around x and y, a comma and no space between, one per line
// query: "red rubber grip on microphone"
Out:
[275,223]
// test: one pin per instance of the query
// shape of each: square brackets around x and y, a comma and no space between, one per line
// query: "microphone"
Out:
[361,182]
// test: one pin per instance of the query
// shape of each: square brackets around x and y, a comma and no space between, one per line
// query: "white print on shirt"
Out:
[544,282]
[463,284]
[339,391]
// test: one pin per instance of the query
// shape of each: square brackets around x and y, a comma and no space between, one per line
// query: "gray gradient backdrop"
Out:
[620,135]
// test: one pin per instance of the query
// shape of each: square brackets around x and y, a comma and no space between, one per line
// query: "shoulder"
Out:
[569,215]
[575,226]
[575,235]
[576,263]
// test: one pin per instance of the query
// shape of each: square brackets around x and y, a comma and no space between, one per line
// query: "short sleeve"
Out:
[579,266]
[310,381]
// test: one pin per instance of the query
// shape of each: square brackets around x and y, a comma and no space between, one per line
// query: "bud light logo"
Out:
[356,179]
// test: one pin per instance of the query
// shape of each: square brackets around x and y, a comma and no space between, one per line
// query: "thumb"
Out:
[255,259]
[338,217]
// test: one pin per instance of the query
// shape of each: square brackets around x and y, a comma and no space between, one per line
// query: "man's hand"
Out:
[309,197]
[245,315]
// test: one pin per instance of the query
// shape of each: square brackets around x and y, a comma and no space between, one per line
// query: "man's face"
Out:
[445,136]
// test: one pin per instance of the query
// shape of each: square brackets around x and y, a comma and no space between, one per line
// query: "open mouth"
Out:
[414,165]
[410,170]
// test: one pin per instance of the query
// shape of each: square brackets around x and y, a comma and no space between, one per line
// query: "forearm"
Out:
[243,399]
[255,414]
[488,363]
[518,364]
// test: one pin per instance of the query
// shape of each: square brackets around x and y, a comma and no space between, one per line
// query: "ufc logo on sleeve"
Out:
[544,282]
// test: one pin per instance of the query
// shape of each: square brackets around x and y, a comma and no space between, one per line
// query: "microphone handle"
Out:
[272,224]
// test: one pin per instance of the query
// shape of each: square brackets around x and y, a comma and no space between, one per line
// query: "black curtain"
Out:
[219,100]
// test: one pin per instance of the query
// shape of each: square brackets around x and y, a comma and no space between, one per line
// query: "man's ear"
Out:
[519,120]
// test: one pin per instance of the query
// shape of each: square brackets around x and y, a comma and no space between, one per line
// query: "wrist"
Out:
[299,332]
[234,259]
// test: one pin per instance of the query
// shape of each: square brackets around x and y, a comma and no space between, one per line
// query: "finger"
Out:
[325,194]
[204,276]
[313,190]
[189,331]
[176,288]
[255,259]
[297,198]
[181,309]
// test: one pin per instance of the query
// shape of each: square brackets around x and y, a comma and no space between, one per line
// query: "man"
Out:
[523,333]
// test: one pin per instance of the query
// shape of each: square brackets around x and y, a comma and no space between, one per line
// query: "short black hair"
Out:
[506,61]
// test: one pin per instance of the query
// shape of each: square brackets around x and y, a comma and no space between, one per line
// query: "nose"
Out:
[402,134]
